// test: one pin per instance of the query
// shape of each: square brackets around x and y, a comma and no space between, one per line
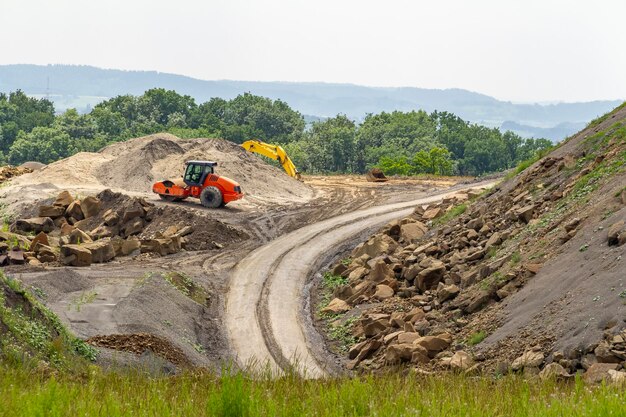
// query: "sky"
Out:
[516,50]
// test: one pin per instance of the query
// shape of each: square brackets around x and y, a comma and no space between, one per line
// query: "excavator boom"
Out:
[274,152]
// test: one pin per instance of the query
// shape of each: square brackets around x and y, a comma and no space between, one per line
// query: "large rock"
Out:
[336,306]
[383,292]
[380,272]
[64,199]
[429,278]
[553,371]
[101,250]
[434,344]
[405,352]
[495,239]
[90,206]
[51,211]
[411,232]
[41,238]
[75,255]
[614,231]
[136,210]
[45,253]
[380,244]
[448,292]
[363,349]
[525,213]
[529,359]
[461,361]
[75,211]
[133,227]
[163,246]
[599,372]
[35,225]
[111,218]
[14,238]
[432,213]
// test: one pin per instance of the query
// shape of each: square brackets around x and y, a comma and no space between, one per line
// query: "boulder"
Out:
[101,250]
[448,292]
[45,253]
[604,355]
[408,337]
[101,232]
[614,232]
[357,274]
[134,211]
[336,306]
[64,199]
[430,277]
[75,255]
[35,225]
[14,238]
[432,213]
[529,359]
[111,218]
[380,272]
[363,349]
[41,238]
[90,206]
[375,327]
[163,246]
[434,344]
[133,227]
[494,240]
[383,292]
[525,213]
[461,361]
[411,232]
[380,244]
[599,372]
[77,237]
[617,377]
[553,371]
[404,352]
[74,211]
[51,211]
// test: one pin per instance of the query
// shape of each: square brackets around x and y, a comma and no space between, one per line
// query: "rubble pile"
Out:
[417,285]
[95,229]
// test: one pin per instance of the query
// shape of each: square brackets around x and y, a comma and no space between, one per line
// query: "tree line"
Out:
[402,143]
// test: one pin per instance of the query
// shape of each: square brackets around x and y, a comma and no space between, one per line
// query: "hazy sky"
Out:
[519,50]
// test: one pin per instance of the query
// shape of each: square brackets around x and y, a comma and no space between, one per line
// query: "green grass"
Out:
[476,338]
[31,335]
[342,333]
[331,281]
[236,394]
[454,212]
[528,162]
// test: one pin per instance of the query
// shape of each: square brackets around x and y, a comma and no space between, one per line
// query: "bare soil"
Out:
[135,295]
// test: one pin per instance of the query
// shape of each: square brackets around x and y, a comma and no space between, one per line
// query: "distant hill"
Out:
[84,86]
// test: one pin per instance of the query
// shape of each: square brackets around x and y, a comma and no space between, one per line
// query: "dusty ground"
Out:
[134,295]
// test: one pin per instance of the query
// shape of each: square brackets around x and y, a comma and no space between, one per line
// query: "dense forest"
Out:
[401,143]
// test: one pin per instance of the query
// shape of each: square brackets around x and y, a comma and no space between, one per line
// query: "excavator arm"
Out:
[274,152]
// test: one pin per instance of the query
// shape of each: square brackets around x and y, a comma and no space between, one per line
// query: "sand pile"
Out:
[133,166]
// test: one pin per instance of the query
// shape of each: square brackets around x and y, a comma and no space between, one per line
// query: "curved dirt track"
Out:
[265,315]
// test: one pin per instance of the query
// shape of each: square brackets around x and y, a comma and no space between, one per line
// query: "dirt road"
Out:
[265,312]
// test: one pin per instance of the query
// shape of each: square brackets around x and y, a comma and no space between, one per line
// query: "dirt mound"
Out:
[535,269]
[134,165]
[140,342]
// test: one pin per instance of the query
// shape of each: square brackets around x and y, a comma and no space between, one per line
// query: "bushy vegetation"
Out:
[400,143]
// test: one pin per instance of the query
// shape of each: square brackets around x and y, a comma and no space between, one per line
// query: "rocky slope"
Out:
[529,276]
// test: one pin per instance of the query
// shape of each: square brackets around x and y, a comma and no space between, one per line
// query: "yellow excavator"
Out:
[274,152]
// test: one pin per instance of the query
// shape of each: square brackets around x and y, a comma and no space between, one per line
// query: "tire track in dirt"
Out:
[264,313]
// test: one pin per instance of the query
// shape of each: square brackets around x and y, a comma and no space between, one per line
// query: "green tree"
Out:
[43,144]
